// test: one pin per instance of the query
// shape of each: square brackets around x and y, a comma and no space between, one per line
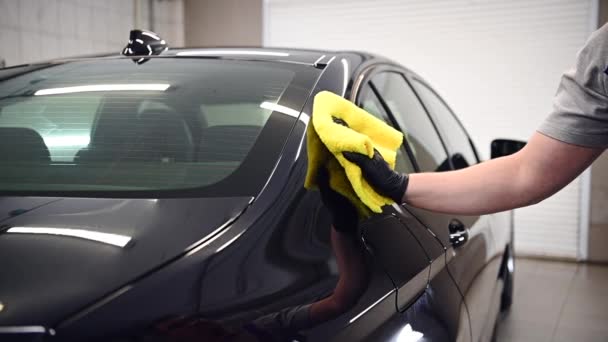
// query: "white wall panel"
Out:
[496,62]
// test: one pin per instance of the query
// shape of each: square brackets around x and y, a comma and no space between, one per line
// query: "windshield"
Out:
[170,124]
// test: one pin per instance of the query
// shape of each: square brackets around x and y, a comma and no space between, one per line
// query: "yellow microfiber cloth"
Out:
[338,125]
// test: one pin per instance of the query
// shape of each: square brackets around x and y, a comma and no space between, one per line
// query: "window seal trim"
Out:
[365,77]
[428,86]
[391,117]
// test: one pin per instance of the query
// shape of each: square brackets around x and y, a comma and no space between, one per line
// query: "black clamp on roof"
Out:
[144,43]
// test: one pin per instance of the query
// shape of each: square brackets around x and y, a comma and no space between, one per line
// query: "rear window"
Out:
[170,124]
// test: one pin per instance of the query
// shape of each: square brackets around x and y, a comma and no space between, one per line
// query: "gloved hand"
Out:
[379,175]
[344,214]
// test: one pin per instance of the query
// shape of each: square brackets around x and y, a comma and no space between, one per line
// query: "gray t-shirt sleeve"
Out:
[580,107]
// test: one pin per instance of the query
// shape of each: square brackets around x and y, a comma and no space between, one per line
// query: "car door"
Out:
[476,263]
[438,312]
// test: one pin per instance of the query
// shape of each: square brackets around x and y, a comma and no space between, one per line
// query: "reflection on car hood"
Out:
[67,253]
[15,206]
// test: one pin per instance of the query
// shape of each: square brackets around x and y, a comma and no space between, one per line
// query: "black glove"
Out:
[379,175]
[343,212]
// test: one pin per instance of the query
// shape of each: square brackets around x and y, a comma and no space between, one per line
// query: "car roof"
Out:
[312,57]
[309,56]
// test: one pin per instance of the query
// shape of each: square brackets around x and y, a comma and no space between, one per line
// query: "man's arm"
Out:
[550,160]
[543,167]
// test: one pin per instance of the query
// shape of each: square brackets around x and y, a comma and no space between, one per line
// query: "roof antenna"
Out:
[144,43]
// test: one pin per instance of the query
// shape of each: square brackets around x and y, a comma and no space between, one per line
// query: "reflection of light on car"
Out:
[279,108]
[151,34]
[285,110]
[26,329]
[407,334]
[371,306]
[67,140]
[102,87]
[346,75]
[510,265]
[219,249]
[232,52]
[110,239]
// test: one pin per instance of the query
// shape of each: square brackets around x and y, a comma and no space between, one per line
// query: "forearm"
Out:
[484,188]
[542,168]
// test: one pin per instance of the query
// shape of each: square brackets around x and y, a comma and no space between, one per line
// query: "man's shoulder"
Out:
[592,62]
[580,107]
[602,31]
[597,44]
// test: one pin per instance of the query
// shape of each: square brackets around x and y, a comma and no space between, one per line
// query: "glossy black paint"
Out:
[235,269]
[46,277]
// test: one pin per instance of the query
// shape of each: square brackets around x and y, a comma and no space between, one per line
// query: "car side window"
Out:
[413,119]
[370,102]
[459,145]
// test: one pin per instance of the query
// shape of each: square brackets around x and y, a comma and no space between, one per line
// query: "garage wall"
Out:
[223,23]
[35,30]
[497,62]
[603,12]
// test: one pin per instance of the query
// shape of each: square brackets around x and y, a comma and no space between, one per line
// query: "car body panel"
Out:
[47,276]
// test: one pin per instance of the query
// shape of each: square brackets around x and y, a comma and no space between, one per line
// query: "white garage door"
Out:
[496,62]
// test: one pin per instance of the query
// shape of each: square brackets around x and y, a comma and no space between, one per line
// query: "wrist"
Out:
[409,193]
[406,183]
[399,183]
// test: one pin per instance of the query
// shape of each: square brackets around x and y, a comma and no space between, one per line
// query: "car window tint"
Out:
[370,102]
[458,143]
[411,116]
[64,126]
[219,114]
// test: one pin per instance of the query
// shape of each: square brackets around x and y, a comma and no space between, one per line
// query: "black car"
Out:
[163,200]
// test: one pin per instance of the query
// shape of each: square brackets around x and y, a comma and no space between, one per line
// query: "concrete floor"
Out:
[556,301]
